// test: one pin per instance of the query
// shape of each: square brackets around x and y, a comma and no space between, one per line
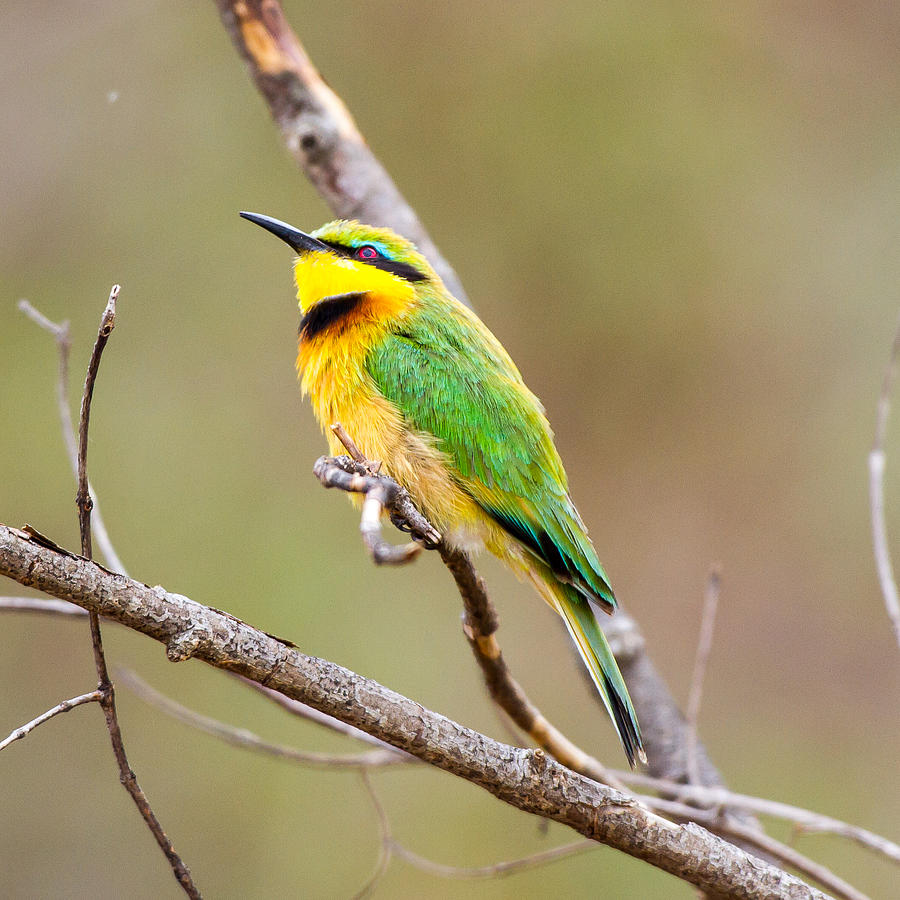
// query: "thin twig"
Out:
[41,605]
[507,867]
[356,455]
[60,332]
[386,843]
[876,493]
[480,624]
[104,685]
[241,737]
[804,819]
[65,706]
[83,497]
[704,647]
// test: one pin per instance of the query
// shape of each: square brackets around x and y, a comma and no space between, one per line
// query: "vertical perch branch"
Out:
[107,696]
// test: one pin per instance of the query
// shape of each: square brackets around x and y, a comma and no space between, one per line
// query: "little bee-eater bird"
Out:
[420,383]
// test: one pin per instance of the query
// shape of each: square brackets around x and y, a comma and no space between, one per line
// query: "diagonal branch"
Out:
[105,688]
[480,620]
[318,129]
[707,802]
[526,779]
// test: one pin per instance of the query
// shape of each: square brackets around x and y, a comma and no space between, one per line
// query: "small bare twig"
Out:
[386,848]
[876,493]
[704,646]
[381,493]
[497,870]
[105,687]
[41,605]
[241,737]
[805,820]
[480,623]
[65,706]
[356,454]
[60,332]
[83,497]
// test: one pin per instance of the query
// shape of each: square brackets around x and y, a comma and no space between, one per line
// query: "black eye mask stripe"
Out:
[403,270]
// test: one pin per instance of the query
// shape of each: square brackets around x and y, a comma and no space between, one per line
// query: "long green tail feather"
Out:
[598,658]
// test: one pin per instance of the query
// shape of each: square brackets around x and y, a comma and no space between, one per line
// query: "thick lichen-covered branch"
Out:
[526,779]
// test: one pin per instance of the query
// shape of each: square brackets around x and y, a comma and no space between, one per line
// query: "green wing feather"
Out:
[451,378]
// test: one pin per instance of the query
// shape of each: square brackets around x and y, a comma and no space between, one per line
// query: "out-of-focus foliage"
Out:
[682,221]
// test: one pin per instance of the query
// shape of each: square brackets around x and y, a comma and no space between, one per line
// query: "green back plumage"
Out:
[451,378]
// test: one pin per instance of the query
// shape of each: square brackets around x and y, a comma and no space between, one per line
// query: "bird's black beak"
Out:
[298,240]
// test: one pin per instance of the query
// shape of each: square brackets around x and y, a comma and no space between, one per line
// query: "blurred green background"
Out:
[681,220]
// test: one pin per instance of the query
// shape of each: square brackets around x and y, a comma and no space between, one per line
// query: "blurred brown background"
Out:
[681,220]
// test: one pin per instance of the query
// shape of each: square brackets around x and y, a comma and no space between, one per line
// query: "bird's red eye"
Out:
[367,252]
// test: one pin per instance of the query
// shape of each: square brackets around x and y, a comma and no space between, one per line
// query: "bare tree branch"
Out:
[709,801]
[704,647]
[65,706]
[41,605]
[496,870]
[526,779]
[318,129]
[242,737]
[60,332]
[105,688]
[876,493]
[805,820]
